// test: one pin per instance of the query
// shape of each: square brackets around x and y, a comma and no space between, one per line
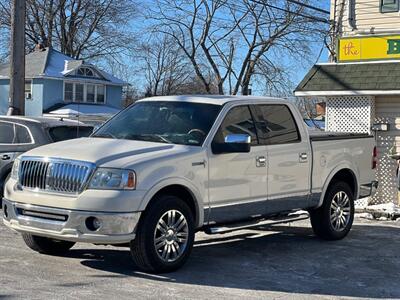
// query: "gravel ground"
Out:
[279,262]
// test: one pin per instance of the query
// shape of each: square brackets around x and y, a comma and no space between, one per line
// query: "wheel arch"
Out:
[344,173]
[4,174]
[182,189]
[6,171]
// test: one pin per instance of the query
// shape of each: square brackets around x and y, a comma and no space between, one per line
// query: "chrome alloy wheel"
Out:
[171,236]
[340,211]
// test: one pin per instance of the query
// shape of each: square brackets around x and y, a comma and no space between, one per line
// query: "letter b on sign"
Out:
[393,47]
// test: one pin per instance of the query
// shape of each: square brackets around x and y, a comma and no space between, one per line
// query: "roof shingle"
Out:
[351,77]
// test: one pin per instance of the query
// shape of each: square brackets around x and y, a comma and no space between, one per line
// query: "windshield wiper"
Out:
[104,135]
[149,138]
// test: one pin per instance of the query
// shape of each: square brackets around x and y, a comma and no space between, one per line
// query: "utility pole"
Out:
[16,104]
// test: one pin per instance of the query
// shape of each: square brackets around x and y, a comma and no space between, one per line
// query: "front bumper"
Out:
[368,190]
[70,225]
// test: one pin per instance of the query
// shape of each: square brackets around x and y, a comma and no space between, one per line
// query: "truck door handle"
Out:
[261,161]
[303,157]
[5,157]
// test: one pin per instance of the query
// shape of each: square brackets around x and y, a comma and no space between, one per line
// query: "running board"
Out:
[261,222]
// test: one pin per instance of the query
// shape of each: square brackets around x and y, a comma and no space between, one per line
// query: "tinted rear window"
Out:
[7,135]
[63,133]
[22,134]
[11,133]
[275,124]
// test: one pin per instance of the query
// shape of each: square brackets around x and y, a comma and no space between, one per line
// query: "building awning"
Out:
[334,79]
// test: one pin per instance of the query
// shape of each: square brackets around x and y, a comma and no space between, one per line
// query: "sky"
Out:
[324,4]
[301,69]
[298,74]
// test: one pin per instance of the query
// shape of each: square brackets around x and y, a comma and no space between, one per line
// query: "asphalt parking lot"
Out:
[275,263]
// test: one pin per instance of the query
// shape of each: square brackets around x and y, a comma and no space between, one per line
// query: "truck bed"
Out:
[316,135]
[344,150]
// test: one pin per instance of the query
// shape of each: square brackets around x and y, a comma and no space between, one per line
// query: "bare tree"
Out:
[4,36]
[4,39]
[82,29]
[166,68]
[237,40]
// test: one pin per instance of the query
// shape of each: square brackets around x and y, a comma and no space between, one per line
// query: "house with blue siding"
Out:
[53,79]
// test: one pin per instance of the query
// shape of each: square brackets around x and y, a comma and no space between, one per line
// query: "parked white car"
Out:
[167,167]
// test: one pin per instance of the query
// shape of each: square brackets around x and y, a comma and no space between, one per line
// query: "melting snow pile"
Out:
[387,211]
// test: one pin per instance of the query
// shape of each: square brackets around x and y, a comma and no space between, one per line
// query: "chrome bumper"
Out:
[368,190]
[70,225]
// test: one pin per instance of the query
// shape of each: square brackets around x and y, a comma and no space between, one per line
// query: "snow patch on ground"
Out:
[381,212]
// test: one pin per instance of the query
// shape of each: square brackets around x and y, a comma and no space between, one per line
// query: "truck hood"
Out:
[102,150]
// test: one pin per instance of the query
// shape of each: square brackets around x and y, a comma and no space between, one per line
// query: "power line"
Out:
[322,20]
[310,7]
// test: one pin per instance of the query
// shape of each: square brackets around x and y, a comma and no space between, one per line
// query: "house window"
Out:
[69,92]
[100,94]
[90,93]
[84,92]
[79,92]
[28,89]
[85,72]
[389,6]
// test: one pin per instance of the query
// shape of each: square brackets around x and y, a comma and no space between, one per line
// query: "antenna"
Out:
[77,128]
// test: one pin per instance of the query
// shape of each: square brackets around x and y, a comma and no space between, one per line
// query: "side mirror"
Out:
[234,143]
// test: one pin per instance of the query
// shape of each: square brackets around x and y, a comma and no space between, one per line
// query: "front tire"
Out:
[2,184]
[333,220]
[46,245]
[164,237]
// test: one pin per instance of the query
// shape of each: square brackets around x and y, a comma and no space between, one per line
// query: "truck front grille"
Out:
[54,175]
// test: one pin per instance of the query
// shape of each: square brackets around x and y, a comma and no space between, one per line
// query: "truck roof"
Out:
[211,99]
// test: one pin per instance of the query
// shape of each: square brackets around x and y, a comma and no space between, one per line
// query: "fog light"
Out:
[92,223]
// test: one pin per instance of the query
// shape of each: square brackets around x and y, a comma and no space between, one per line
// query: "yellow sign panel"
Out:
[369,48]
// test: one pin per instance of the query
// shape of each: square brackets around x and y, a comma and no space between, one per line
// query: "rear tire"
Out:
[333,220]
[46,245]
[164,236]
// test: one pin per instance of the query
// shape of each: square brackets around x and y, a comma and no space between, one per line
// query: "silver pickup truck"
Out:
[167,167]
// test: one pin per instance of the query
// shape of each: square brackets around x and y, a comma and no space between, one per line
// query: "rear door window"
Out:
[62,133]
[12,134]
[23,135]
[7,135]
[275,124]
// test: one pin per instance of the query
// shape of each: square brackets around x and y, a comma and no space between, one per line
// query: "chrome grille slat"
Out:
[36,174]
[54,175]
[29,173]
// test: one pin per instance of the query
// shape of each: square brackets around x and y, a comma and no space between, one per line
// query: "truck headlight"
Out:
[113,179]
[15,169]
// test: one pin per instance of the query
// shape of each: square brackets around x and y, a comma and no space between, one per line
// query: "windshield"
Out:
[162,121]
